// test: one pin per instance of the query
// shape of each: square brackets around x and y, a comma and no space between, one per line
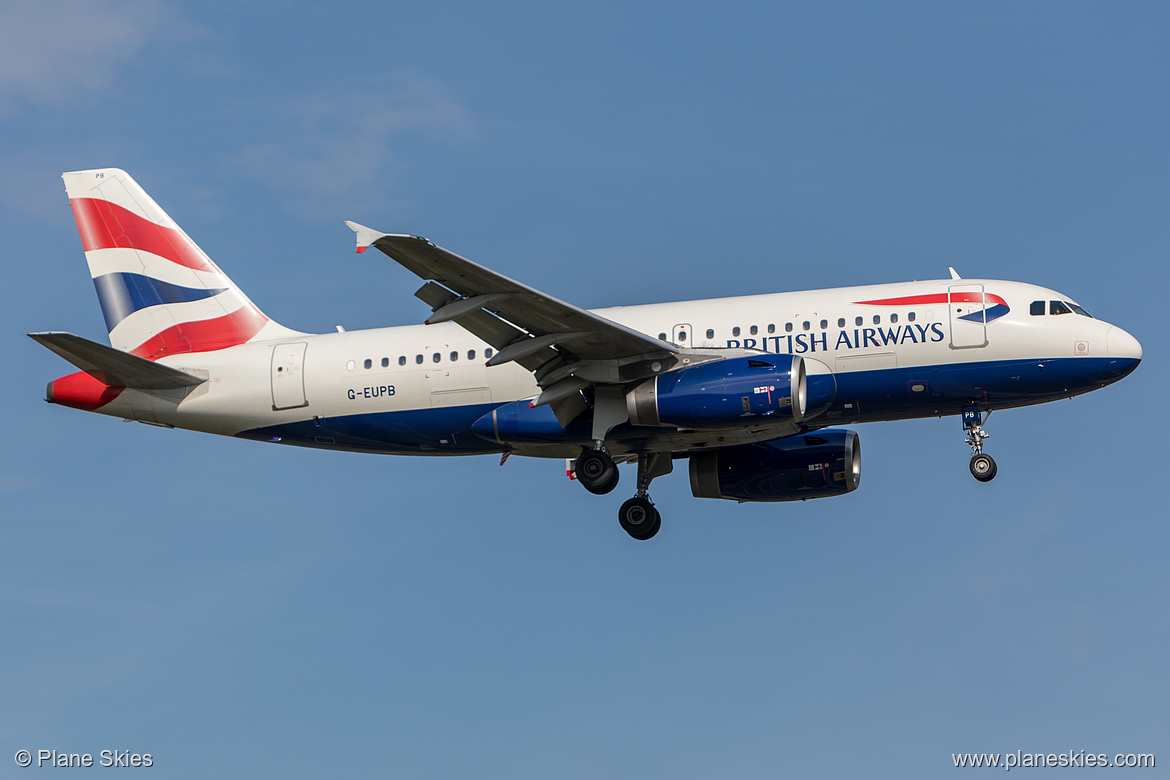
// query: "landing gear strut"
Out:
[983,466]
[638,517]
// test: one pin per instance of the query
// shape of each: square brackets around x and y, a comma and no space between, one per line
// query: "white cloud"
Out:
[51,50]
[339,144]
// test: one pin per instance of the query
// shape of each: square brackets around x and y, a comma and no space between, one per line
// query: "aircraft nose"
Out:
[1120,344]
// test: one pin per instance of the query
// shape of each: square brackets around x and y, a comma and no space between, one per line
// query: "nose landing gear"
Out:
[983,466]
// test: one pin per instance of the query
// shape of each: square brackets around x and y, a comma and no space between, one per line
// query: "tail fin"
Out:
[160,294]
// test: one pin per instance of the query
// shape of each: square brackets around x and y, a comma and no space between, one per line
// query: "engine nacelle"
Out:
[811,465]
[722,392]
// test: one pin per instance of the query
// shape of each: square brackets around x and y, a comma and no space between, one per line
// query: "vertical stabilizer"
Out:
[160,294]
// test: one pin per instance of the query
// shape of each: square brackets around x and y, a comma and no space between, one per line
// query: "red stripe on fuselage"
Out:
[915,300]
[82,391]
[105,225]
[204,335]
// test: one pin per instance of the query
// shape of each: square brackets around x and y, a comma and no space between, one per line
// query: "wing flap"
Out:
[484,325]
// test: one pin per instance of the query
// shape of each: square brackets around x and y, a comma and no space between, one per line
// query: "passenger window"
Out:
[1056,307]
[454,356]
[893,318]
[418,359]
[735,331]
[806,325]
[1037,309]
[385,362]
[682,335]
[877,319]
[824,324]
[857,322]
[910,316]
[753,330]
[349,365]
[487,353]
[369,363]
[710,333]
[788,327]
[662,337]
[841,322]
[402,360]
[435,358]
[471,354]
[771,327]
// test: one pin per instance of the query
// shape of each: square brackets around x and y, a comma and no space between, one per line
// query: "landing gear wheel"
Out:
[597,472]
[983,467]
[639,518]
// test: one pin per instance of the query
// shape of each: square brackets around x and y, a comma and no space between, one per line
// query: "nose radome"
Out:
[1122,345]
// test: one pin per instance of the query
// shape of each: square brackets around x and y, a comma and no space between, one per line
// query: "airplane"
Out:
[750,390]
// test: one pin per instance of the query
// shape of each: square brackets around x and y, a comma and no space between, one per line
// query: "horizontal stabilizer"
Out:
[113,366]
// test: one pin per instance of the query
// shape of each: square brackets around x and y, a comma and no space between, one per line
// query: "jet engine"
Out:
[732,390]
[811,465]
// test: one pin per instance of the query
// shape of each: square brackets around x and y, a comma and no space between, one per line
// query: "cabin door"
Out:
[968,315]
[288,378]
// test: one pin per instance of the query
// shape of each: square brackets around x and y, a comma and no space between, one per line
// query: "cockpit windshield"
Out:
[1038,308]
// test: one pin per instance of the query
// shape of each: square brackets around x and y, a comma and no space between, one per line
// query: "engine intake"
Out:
[812,465]
[728,391]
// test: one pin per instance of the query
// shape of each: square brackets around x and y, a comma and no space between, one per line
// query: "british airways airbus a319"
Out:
[749,390]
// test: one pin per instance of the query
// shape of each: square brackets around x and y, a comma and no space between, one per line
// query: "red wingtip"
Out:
[532,404]
[361,249]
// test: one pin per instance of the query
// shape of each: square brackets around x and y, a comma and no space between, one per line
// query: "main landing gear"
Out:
[597,472]
[982,466]
[638,517]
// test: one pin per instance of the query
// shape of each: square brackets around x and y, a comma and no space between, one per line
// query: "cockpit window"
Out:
[1058,307]
[1079,309]
[1038,308]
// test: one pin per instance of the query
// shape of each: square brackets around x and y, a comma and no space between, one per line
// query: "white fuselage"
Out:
[419,380]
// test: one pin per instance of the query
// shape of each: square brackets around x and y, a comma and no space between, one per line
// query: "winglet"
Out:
[365,235]
[954,273]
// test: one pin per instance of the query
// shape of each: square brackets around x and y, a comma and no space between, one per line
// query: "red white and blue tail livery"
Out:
[749,391]
[160,294]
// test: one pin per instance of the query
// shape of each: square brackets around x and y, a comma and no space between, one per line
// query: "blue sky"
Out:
[246,610]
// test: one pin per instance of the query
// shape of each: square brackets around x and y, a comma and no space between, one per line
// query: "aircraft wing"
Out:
[567,347]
